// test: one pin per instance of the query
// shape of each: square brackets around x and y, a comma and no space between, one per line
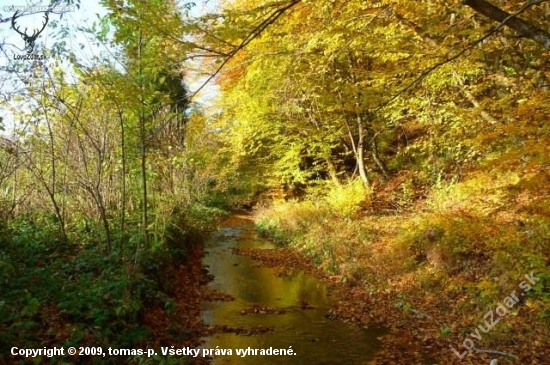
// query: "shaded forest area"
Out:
[402,146]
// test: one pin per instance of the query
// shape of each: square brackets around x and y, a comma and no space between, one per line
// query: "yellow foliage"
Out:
[346,200]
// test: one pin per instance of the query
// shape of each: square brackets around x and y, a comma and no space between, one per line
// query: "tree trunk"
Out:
[52,191]
[332,172]
[123,188]
[376,157]
[360,155]
[103,215]
[143,137]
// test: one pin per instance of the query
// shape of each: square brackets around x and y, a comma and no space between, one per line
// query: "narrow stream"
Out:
[314,338]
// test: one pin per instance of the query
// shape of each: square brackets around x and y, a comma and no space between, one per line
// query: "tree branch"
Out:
[249,38]
[431,69]
[494,352]
[523,28]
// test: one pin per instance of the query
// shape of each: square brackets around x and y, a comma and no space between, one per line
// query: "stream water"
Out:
[314,338]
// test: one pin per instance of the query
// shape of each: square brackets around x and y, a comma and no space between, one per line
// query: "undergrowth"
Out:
[80,293]
[469,242]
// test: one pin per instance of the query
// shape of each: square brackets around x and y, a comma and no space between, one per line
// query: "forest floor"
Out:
[168,325]
[449,273]
[414,336]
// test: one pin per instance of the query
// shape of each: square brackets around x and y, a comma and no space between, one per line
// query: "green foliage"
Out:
[110,197]
[83,287]
[270,228]
[76,295]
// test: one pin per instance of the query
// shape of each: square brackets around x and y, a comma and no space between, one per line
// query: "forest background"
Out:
[401,145]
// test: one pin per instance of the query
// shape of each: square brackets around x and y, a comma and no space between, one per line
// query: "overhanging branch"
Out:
[523,28]
[431,69]
[249,38]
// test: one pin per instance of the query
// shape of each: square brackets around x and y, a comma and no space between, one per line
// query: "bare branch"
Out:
[494,352]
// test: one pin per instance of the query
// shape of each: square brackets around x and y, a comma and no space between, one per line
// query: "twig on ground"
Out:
[495,352]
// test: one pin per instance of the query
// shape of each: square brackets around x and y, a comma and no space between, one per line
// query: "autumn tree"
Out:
[337,81]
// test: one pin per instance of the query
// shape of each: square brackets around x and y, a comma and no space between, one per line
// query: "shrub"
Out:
[346,200]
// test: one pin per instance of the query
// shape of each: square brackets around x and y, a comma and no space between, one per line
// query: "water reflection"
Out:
[315,339]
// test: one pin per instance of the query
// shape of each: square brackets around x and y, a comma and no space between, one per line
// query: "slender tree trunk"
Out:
[359,150]
[376,157]
[104,220]
[123,197]
[51,192]
[102,153]
[143,136]
[360,155]
[14,195]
